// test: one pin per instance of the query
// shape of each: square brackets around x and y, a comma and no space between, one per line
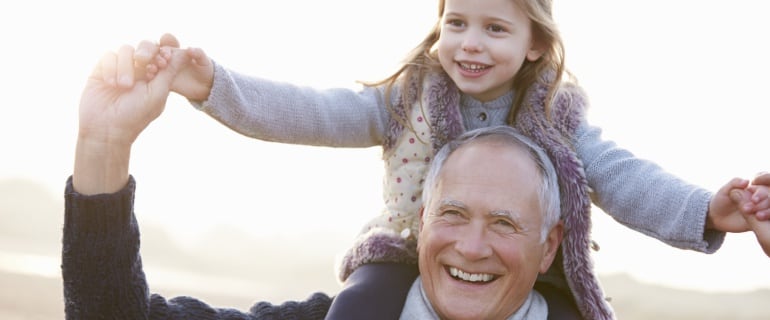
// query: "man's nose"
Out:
[472,243]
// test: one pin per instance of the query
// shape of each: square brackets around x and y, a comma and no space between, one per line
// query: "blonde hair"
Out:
[424,59]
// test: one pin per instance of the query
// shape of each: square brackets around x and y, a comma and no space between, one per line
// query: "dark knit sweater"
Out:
[103,275]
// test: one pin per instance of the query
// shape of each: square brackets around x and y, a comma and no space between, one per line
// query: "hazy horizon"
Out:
[679,82]
[231,268]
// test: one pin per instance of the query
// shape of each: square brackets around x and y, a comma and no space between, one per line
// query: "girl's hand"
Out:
[725,207]
[194,78]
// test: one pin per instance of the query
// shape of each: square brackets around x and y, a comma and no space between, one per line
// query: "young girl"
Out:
[486,62]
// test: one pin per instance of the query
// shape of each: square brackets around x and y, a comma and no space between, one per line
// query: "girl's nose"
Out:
[471,43]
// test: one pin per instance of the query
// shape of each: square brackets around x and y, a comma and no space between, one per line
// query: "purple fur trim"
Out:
[444,107]
[378,245]
[443,110]
[401,109]
[568,108]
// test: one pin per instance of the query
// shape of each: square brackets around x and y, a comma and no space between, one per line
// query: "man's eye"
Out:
[506,226]
[504,223]
[450,213]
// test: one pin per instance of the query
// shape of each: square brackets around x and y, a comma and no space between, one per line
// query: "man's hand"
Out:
[116,105]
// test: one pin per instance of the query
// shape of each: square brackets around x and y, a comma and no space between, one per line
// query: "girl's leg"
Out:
[374,291]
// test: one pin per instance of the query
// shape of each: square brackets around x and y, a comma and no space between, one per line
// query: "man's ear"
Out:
[552,242]
[422,211]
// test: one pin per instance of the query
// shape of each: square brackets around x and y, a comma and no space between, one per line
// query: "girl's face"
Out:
[483,44]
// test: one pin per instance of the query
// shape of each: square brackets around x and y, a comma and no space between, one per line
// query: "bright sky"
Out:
[680,82]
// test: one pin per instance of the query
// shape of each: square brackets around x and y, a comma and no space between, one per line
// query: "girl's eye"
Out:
[455,23]
[496,28]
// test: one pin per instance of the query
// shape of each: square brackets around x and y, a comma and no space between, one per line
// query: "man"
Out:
[490,225]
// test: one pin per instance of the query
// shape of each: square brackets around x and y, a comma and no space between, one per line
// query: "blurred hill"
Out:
[30,217]
[634,300]
[228,267]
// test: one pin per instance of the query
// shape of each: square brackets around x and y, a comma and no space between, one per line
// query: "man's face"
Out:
[479,244]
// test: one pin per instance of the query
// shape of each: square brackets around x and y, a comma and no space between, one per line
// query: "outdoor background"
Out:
[233,220]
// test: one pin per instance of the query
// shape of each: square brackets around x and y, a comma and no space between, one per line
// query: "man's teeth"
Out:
[471,277]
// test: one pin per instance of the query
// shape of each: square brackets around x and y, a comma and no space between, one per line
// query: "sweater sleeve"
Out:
[286,113]
[103,276]
[641,195]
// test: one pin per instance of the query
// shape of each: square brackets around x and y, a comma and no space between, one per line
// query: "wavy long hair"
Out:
[423,59]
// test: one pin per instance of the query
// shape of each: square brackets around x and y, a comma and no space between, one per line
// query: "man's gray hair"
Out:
[549,186]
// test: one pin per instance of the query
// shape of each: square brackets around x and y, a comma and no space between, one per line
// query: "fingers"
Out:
[198,56]
[738,183]
[145,57]
[763,215]
[106,70]
[170,61]
[759,193]
[731,186]
[760,201]
[125,67]
[169,40]
[761,188]
[122,68]
[116,69]
[762,178]
[738,192]
[153,57]
[741,198]
[145,52]
[739,195]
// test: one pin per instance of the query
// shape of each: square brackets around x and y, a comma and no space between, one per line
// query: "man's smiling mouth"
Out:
[471,277]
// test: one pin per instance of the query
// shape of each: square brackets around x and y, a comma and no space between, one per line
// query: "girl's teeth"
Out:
[473,67]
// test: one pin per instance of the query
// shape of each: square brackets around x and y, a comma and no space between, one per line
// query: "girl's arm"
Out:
[269,110]
[282,112]
[641,195]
